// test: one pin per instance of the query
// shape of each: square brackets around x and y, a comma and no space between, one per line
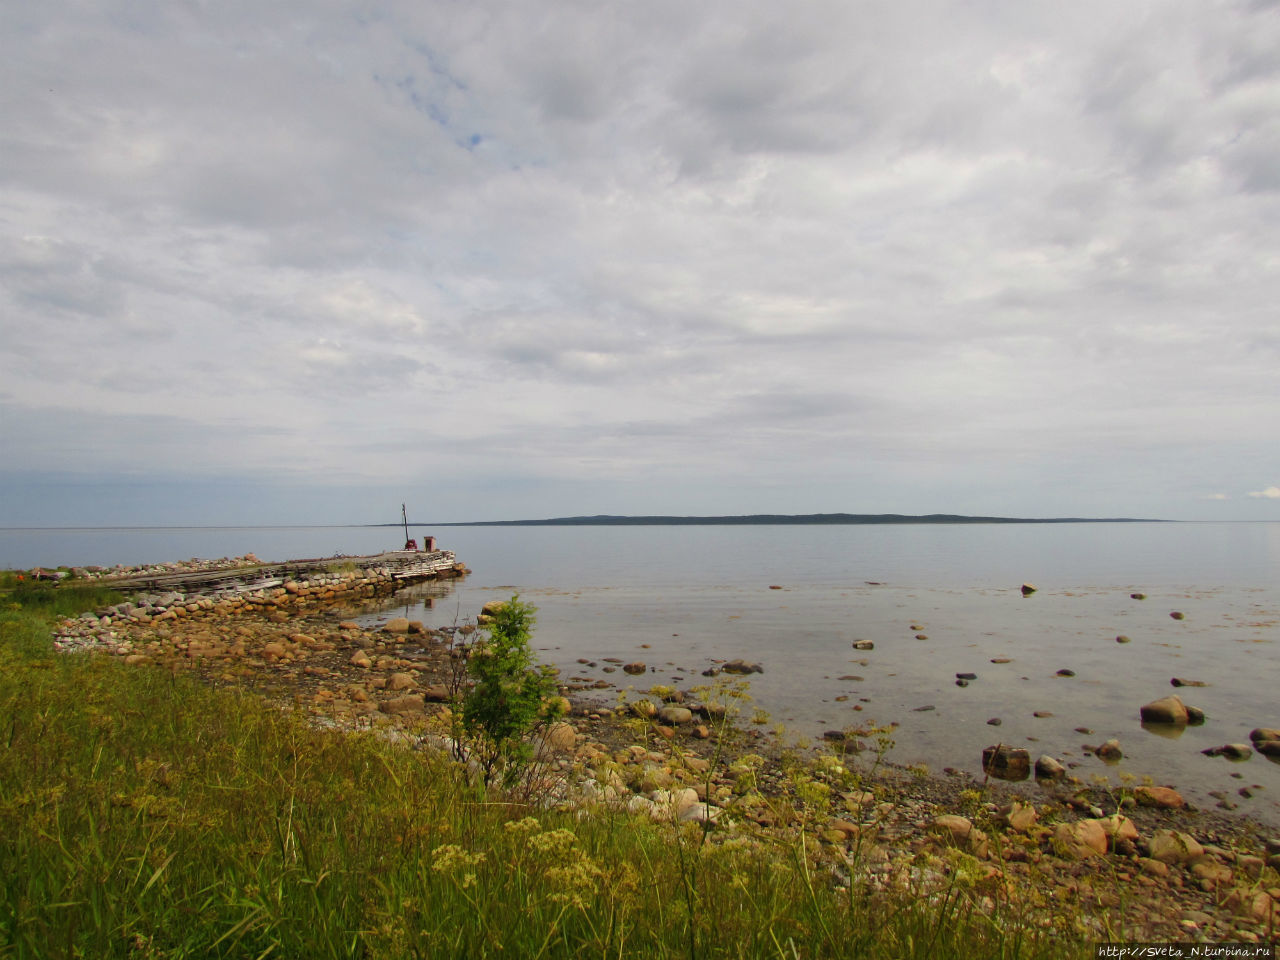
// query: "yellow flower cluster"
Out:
[453,860]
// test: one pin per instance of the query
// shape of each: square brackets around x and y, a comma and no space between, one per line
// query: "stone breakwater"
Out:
[219,591]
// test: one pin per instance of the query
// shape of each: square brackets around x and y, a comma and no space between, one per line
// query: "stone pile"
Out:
[99,628]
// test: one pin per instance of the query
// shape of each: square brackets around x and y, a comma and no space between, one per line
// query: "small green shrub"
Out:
[506,700]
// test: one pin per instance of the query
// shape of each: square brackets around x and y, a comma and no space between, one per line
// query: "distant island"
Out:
[606,520]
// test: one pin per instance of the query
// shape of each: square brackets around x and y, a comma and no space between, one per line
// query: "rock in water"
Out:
[1006,763]
[1232,751]
[1165,710]
[1110,751]
[1028,589]
[1047,768]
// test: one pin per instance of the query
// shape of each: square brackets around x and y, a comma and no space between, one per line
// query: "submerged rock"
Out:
[1110,751]
[1232,751]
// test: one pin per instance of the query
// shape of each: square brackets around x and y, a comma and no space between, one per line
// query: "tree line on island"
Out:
[606,520]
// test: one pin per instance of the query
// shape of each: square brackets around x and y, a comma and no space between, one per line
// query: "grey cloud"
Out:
[646,243]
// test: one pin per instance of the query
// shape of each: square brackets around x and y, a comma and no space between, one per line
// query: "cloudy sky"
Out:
[299,262]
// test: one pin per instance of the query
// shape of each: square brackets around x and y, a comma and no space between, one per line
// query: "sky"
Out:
[300,262]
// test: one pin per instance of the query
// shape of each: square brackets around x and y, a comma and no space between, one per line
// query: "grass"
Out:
[143,815]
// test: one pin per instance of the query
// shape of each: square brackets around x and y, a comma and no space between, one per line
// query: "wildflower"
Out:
[454,860]
[523,827]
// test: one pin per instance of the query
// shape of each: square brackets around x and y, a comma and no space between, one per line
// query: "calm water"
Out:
[679,598]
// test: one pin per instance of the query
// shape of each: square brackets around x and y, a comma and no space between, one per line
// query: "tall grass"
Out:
[145,816]
[67,598]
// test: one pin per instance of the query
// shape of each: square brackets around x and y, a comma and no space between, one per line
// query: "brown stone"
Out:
[403,705]
[1209,869]
[1164,798]
[1005,762]
[1080,840]
[1165,710]
[959,831]
[1019,817]
[561,737]
[401,681]
[397,625]
[1118,828]
[1173,846]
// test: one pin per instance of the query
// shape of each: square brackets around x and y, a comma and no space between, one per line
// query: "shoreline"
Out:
[313,658]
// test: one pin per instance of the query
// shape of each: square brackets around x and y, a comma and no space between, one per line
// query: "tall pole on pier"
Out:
[404,515]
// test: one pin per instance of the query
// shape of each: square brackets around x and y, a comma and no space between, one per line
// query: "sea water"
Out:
[933,600]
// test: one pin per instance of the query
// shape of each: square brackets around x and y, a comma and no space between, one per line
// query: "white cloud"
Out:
[1270,493]
[1030,255]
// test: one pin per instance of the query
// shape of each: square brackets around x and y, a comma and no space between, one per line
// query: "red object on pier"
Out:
[411,545]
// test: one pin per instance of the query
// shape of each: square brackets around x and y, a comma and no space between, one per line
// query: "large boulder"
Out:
[1080,840]
[675,715]
[1118,828]
[1164,798]
[489,611]
[959,831]
[1019,817]
[401,681]
[561,738]
[1173,846]
[402,705]
[1165,710]
[1049,768]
